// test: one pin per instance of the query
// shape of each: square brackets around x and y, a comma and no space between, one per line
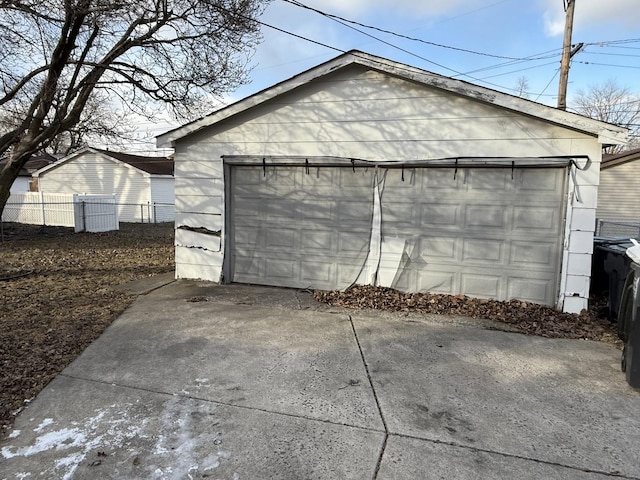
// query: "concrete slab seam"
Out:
[225,404]
[511,455]
[375,396]
[153,289]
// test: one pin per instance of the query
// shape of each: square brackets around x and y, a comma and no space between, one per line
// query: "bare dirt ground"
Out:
[56,297]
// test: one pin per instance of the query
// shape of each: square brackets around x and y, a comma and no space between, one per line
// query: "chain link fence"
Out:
[82,213]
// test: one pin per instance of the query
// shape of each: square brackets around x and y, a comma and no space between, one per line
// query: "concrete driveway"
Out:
[236,382]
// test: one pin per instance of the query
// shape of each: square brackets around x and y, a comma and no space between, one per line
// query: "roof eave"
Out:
[606,133]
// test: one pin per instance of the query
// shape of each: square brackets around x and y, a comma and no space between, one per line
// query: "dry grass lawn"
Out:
[56,297]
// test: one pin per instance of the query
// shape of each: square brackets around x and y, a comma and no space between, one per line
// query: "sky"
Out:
[478,34]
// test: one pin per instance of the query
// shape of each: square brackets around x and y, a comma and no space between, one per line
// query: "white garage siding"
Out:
[163,198]
[378,112]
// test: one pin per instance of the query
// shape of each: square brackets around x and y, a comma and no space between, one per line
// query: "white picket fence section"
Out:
[85,213]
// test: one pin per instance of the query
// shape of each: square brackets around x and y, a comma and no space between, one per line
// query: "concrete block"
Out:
[575,304]
[581,242]
[583,219]
[588,195]
[577,284]
[579,264]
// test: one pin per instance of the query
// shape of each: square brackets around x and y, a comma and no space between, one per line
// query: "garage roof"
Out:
[620,158]
[607,134]
[146,165]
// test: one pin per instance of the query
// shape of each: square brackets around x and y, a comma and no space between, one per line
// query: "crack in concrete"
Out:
[454,444]
[217,402]
[375,397]
[511,455]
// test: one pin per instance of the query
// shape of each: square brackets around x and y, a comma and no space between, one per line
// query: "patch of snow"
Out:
[14,434]
[59,440]
[23,475]
[44,424]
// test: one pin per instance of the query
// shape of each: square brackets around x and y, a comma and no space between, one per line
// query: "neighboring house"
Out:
[144,186]
[364,170]
[619,190]
[23,182]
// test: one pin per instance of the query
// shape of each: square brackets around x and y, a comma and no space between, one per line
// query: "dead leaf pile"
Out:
[527,317]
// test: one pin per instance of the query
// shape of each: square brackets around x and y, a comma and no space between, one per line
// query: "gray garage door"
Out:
[483,232]
[298,227]
[493,233]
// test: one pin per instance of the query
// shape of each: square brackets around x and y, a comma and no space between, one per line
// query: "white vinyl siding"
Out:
[619,192]
[163,198]
[91,173]
[20,184]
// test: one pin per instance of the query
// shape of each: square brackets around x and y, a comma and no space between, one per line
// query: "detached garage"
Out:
[366,171]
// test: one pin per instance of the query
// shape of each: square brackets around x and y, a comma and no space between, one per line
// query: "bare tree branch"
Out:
[611,103]
[57,56]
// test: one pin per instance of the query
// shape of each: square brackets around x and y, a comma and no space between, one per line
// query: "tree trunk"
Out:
[10,172]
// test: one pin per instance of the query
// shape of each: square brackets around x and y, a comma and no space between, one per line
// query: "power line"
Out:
[346,22]
[608,65]
[547,86]
[399,35]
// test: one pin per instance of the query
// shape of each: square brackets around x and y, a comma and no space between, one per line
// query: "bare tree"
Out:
[522,87]
[611,103]
[57,55]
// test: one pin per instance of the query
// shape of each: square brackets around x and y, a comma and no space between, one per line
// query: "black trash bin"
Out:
[629,326]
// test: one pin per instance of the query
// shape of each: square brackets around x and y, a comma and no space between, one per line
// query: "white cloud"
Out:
[625,14]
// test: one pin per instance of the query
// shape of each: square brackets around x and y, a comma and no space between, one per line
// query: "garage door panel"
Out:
[280,240]
[280,269]
[441,248]
[294,229]
[484,285]
[529,289]
[485,216]
[539,256]
[317,273]
[485,235]
[317,210]
[541,180]
[481,180]
[483,251]
[318,241]
[353,242]
[438,179]
[535,219]
[354,211]
[361,178]
[439,214]
[435,281]
[319,177]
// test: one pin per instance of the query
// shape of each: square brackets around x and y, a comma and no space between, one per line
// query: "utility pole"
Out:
[569,6]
